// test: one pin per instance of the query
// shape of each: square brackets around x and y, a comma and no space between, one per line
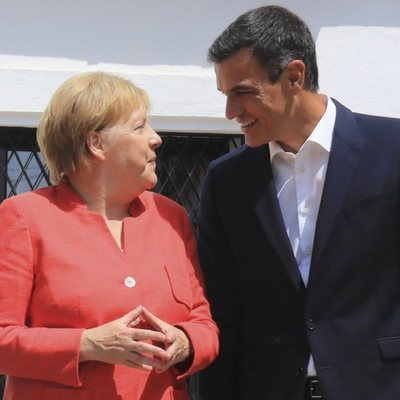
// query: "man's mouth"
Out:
[245,125]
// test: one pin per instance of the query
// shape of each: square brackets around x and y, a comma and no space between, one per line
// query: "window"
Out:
[182,163]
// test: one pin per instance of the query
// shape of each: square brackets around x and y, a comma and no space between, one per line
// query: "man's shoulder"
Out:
[231,156]
[368,120]
[237,156]
[373,121]
[380,131]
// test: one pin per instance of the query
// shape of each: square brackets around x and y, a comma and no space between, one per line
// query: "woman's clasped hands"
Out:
[139,340]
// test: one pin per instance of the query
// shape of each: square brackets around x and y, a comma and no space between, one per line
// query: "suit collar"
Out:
[347,146]
[257,176]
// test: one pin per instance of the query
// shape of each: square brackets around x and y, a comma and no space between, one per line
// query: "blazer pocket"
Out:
[368,203]
[180,286]
[389,347]
[67,394]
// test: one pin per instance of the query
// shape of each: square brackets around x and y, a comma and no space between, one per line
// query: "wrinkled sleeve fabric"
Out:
[50,354]
[200,328]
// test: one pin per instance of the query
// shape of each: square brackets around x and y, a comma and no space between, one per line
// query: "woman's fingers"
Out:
[142,360]
[147,334]
[120,342]
[142,348]
[132,317]
[155,322]
[132,364]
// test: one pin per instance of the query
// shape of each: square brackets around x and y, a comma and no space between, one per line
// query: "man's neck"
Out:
[309,109]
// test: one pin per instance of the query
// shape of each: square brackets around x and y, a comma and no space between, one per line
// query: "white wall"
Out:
[162,45]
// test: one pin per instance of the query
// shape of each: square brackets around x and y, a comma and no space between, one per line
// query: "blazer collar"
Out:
[347,146]
[256,173]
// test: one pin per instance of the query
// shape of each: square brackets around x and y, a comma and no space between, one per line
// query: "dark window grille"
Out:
[21,165]
[182,162]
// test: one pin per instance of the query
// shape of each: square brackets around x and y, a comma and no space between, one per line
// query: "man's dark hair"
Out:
[276,37]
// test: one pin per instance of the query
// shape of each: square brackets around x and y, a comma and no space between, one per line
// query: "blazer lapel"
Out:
[257,173]
[345,154]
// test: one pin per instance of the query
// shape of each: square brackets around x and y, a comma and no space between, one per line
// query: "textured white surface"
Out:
[162,47]
[360,67]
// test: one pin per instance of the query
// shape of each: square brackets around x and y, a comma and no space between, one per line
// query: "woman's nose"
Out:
[155,139]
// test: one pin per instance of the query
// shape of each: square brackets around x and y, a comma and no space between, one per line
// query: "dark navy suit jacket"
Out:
[349,315]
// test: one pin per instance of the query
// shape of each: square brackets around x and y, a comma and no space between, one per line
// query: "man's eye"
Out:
[243,92]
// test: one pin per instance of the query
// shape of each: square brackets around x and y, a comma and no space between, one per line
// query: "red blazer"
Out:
[61,271]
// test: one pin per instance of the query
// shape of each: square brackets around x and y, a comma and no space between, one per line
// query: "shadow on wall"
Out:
[175,32]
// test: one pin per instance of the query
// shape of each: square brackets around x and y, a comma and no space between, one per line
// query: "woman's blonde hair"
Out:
[84,103]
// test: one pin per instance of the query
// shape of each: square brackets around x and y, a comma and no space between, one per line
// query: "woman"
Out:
[100,291]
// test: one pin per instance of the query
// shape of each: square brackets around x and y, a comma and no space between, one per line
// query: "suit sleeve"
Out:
[200,328]
[218,382]
[50,354]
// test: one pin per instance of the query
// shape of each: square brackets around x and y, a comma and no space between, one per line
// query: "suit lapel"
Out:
[345,154]
[257,174]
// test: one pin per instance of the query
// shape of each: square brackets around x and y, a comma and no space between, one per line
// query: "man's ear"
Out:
[95,145]
[296,71]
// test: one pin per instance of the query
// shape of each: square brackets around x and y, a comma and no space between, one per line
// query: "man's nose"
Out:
[233,108]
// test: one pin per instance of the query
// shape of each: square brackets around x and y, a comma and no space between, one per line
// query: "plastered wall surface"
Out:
[162,47]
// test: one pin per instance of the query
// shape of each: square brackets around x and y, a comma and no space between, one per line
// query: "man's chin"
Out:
[254,142]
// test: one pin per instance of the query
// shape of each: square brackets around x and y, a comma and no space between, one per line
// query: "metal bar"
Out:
[3,173]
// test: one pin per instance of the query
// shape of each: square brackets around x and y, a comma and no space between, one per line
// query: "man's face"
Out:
[260,107]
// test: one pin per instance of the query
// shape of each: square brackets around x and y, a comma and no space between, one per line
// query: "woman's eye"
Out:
[139,128]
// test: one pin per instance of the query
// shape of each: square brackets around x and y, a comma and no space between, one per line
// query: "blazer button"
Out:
[301,372]
[130,282]
[310,324]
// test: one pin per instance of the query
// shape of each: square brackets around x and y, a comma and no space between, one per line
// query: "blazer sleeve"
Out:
[200,327]
[220,274]
[50,354]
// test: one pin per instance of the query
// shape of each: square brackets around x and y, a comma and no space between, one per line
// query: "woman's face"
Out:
[130,153]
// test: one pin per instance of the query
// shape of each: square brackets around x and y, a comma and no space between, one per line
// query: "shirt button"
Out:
[301,169]
[304,211]
[129,282]
[310,325]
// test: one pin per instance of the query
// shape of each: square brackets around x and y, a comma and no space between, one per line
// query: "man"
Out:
[299,229]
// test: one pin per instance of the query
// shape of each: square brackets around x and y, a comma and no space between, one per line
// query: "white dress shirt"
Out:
[299,181]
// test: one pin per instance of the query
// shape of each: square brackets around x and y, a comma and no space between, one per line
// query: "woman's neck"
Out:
[99,199]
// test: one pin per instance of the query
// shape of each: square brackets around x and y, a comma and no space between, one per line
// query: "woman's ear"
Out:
[296,70]
[95,145]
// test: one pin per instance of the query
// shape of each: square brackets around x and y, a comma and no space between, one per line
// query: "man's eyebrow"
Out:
[237,87]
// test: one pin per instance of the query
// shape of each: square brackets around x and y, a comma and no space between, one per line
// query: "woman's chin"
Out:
[151,183]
